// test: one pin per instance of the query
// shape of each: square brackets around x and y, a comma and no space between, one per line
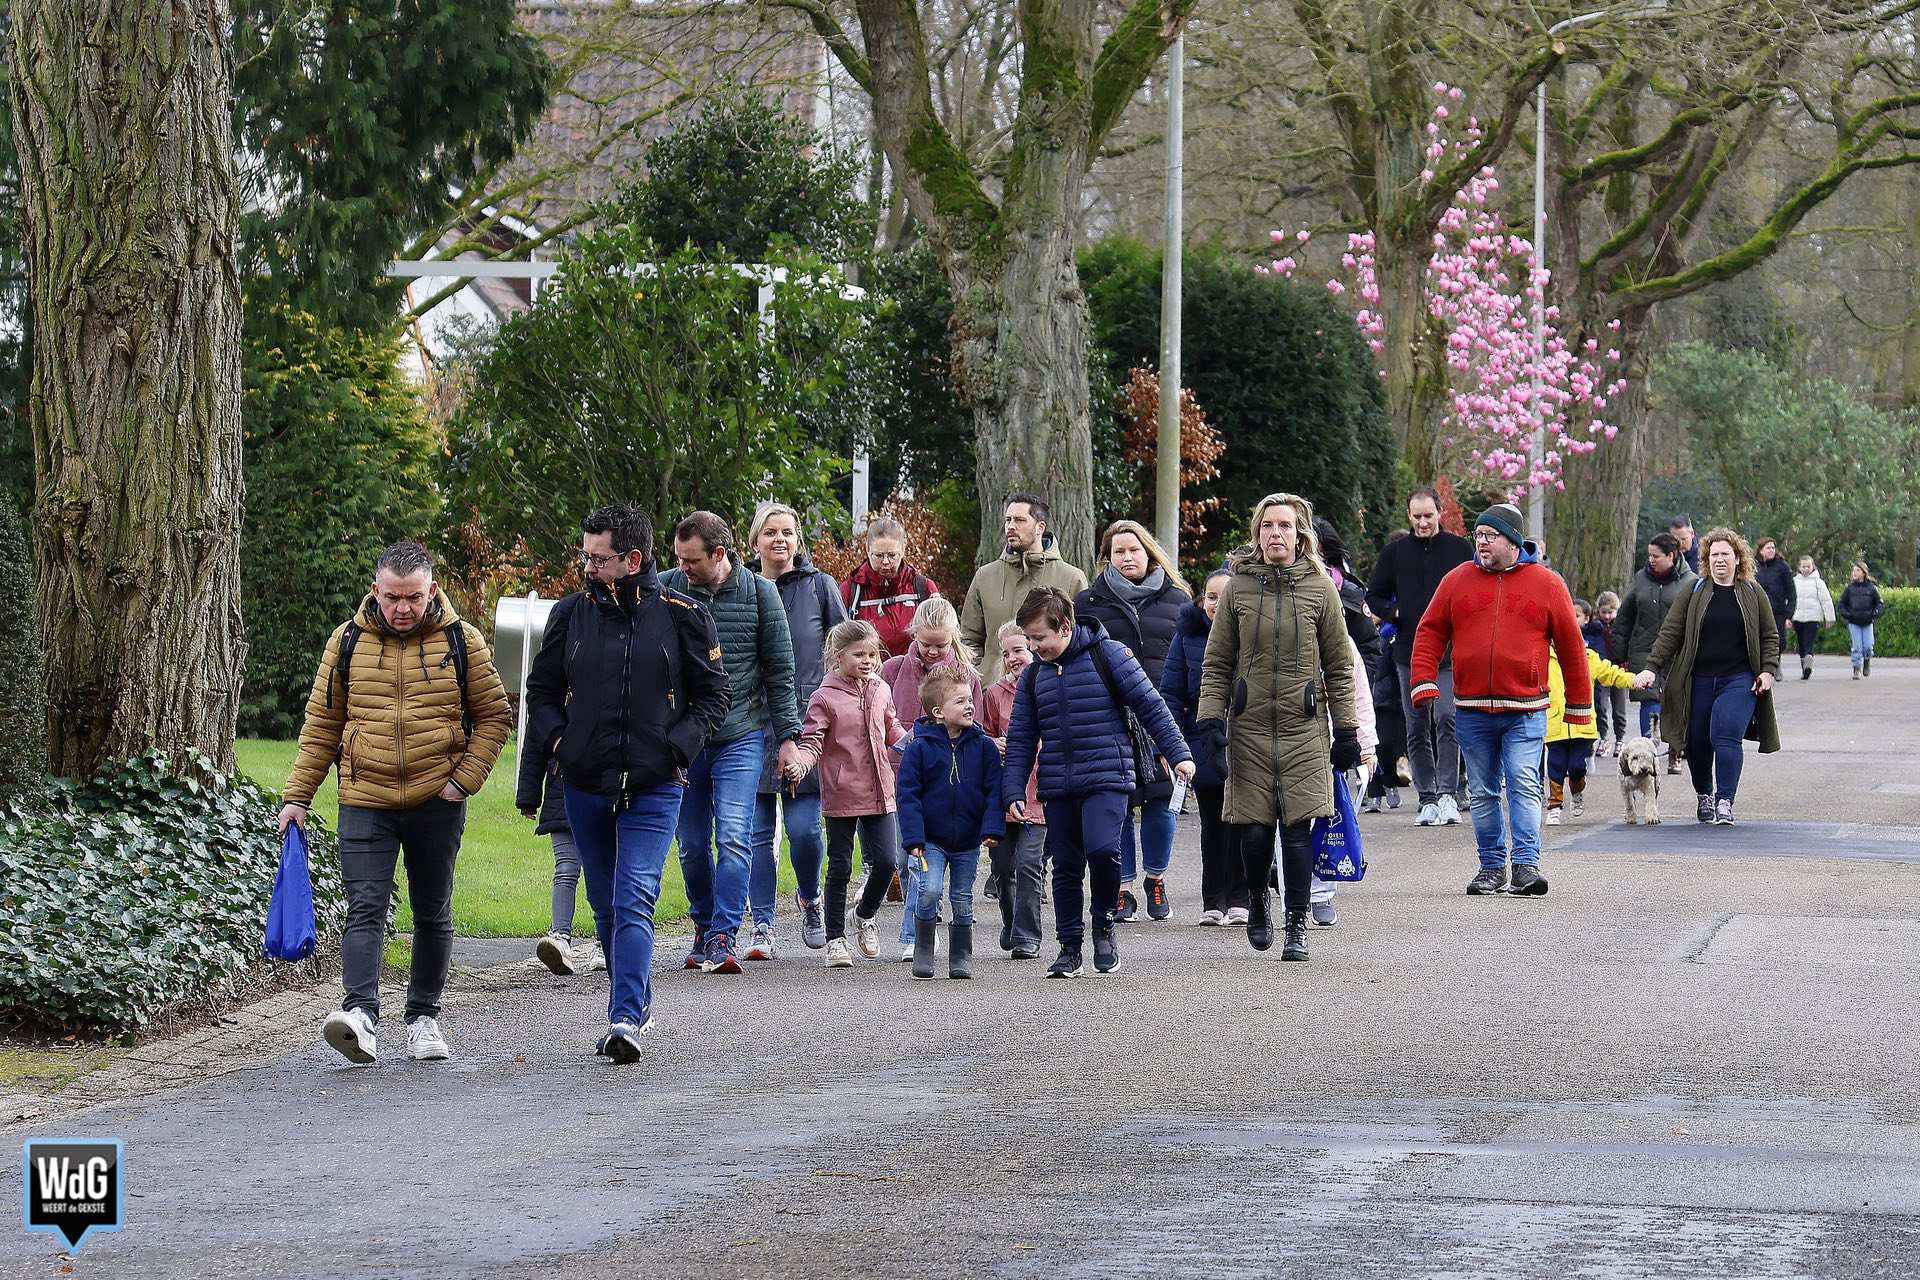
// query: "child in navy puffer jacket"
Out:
[949,804]
[1074,716]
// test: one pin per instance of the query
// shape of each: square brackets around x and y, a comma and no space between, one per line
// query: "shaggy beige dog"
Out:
[1640,780]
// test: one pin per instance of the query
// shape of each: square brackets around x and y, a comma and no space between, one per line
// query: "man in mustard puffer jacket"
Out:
[409,706]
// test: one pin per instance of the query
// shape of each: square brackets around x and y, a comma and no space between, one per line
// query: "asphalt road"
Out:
[1695,1057]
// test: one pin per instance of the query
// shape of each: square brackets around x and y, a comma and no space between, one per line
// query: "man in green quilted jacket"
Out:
[716,815]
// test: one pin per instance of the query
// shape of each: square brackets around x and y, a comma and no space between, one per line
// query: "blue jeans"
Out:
[1504,747]
[622,855]
[1722,709]
[1862,636]
[1648,710]
[910,890]
[716,832]
[806,846]
[1156,841]
[965,867]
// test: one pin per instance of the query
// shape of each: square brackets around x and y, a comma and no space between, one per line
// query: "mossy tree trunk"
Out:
[1020,319]
[121,114]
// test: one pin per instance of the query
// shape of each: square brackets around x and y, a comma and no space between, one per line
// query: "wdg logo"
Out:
[71,1186]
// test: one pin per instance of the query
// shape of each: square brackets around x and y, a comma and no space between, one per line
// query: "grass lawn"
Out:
[504,883]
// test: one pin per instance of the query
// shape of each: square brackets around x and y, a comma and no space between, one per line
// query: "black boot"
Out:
[1106,949]
[959,951]
[923,938]
[1295,947]
[1259,900]
[1006,912]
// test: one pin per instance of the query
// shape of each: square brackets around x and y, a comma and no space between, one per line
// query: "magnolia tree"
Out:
[1482,287]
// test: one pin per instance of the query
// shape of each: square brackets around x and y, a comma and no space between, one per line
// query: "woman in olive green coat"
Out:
[1720,652]
[1277,662]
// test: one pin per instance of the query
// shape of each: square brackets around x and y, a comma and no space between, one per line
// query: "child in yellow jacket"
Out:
[1569,746]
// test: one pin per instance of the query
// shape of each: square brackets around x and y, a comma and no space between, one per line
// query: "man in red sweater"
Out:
[1500,613]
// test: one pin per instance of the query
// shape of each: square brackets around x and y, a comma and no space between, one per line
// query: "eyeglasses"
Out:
[1484,535]
[593,561]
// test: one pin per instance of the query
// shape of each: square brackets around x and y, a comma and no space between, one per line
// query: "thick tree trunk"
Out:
[121,116]
[1592,526]
[1416,381]
[1022,345]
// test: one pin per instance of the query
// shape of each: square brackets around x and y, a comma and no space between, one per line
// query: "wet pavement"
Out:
[1695,1057]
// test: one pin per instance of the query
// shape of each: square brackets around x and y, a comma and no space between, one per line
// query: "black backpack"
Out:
[456,653]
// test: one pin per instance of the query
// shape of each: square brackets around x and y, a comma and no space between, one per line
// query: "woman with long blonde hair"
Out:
[1137,596]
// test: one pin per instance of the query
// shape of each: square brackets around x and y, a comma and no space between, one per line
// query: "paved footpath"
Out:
[1696,1057]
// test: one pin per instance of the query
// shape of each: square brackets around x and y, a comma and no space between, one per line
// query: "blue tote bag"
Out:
[1337,853]
[290,925]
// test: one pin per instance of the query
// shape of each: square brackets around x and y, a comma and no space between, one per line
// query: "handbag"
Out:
[1151,782]
[1337,851]
[290,923]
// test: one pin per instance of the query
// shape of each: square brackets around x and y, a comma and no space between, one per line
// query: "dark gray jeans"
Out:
[1020,865]
[1432,748]
[371,841]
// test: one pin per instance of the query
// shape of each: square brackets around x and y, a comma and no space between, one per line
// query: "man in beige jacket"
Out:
[1031,560]
[408,704]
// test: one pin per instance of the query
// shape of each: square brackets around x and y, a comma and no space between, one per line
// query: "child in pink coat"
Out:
[850,733]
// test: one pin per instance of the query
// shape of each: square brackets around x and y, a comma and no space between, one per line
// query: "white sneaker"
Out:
[588,956]
[1236,915]
[350,1031]
[761,945]
[868,935]
[556,952]
[906,953]
[1553,815]
[838,954]
[1449,810]
[425,1042]
[1210,917]
[1578,805]
[1429,816]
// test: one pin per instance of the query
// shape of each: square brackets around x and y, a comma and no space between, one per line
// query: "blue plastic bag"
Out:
[1337,853]
[290,924]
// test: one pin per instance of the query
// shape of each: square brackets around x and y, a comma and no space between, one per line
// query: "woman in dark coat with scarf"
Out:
[1137,597]
[1223,880]
[812,601]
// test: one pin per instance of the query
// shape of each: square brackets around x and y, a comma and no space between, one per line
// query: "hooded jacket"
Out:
[1499,624]
[813,608]
[1180,684]
[997,591]
[1406,576]
[626,689]
[950,789]
[752,626]
[397,735]
[1279,631]
[1064,714]
[848,733]
[1146,628]
[887,603]
[1812,601]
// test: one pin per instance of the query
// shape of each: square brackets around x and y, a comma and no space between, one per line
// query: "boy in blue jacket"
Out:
[949,797]
[1071,709]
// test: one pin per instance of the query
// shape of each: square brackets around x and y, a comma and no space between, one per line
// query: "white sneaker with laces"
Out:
[350,1032]
[838,955]
[761,945]
[1449,811]
[556,952]
[1211,917]
[1578,805]
[1429,816]
[869,937]
[1236,915]
[425,1042]
[1553,815]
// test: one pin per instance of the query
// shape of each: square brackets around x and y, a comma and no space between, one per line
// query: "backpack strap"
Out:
[1100,663]
[343,663]
[456,633]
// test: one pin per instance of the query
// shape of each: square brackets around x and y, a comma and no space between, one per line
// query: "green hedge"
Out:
[1895,635]
[340,462]
[140,891]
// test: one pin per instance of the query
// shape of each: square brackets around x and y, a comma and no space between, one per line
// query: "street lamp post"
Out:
[1166,463]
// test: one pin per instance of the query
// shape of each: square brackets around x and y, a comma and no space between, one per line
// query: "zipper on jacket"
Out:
[399,705]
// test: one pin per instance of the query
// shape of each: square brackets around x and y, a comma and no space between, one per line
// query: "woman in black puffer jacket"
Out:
[1223,879]
[1137,597]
